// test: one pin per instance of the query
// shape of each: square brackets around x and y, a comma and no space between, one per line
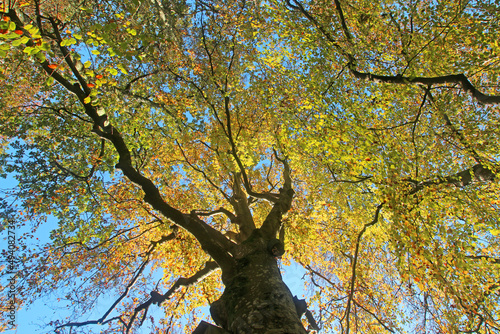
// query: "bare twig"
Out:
[355,261]
[157,298]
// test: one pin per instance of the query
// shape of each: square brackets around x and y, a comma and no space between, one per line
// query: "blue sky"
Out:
[34,318]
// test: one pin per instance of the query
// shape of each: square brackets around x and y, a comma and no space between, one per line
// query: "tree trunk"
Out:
[256,300]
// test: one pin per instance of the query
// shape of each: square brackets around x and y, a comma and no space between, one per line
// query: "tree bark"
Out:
[256,300]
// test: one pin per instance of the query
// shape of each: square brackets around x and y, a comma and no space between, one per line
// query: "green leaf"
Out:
[40,56]
[122,68]
[28,49]
[68,41]
[49,81]
[45,46]
[32,30]
[10,35]
[17,42]
[86,9]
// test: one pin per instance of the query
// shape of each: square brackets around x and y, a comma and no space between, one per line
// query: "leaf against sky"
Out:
[125,120]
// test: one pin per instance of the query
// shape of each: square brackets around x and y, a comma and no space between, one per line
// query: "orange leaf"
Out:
[19,32]
[99,76]
[6,18]
[90,85]
[53,66]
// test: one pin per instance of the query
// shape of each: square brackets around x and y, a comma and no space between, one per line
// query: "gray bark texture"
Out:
[256,300]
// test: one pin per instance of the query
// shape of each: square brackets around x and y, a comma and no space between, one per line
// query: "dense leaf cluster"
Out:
[160,134]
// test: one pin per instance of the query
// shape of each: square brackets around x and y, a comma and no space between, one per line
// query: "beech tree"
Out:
[189,149]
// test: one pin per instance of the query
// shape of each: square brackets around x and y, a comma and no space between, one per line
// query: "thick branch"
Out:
[241,206]
[459,79]
[234,152]
[211,240]
[490,259]
[347,34]
[477,172]
[220,210]
[272,223]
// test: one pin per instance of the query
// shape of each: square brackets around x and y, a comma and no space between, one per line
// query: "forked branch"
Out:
[457,79]
[354,264]
[478,172]
[129,286]
[158,299]
[211,240]
[272,223]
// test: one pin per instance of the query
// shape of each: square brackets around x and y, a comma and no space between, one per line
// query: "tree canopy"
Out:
[164,135]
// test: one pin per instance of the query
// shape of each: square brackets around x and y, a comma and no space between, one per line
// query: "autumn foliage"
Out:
[157,136]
